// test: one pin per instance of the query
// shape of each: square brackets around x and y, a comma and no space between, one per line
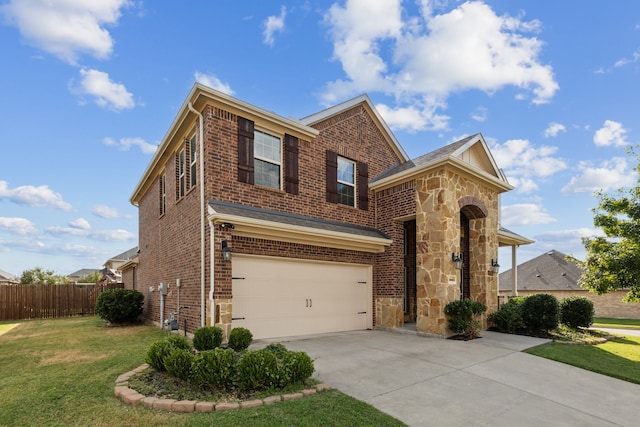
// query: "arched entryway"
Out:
[471,209]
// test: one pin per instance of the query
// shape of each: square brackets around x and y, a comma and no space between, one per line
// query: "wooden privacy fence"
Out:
[18,302]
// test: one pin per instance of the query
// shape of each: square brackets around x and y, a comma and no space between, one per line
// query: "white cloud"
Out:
[522,162]
[213,82]
[554,129]
[480,114]
[433,56]
[525,214]
[67,28]
[125,144]
[107,94]
[41,196]
[611,133]
[412,119]
[624,61]
[80,223]
[109,235]
[17,225]
[274,24]
[104,211]
[609,175]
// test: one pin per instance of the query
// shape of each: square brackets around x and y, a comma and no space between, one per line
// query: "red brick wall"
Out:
[170,245]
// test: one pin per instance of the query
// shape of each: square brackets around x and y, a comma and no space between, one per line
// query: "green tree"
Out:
[613,260]
[94,277]
[40,276]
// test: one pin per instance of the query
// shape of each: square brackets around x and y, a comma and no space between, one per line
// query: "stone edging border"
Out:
[132,397]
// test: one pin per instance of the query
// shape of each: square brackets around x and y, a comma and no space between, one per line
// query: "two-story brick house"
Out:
[291,227]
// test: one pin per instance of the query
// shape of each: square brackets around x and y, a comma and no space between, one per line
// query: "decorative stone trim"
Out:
[132,397]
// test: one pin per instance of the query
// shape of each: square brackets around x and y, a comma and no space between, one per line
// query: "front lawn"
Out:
[618,357]
[61,373]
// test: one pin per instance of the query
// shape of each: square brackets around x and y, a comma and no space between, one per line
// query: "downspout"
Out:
[203,318]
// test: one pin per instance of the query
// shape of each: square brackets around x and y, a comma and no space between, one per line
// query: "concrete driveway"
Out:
[426,381]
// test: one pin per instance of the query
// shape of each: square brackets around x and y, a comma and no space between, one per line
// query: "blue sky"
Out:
[88,89]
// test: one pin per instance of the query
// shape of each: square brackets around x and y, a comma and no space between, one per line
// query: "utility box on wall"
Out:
[162,288]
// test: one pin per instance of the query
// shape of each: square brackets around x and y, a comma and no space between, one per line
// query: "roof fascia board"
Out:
[271,230]
[511,239]
[198,97]
[451,161]
[362,99]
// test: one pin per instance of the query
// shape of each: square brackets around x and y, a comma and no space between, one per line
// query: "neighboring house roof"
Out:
[365,100]
[470,155]
[8,277]
[550,271]
[262,223]
[126,255]
[83,272]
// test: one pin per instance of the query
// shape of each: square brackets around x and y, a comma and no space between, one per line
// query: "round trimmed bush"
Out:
[178,363]
[157,353]
[240,339]
[462,315]
[577,312]
[295,366]
[540,313]
[508,318]
[178,341]
[258,369]
[214,368]
[120,305]
[207,338]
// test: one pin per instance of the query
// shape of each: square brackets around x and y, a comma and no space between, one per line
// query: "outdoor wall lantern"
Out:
[495,267]
[457,260]
[226,251]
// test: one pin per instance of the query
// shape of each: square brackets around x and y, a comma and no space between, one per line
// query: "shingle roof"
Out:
[547,272]
[84,272]
[8,276]
[127,255]
[293,219]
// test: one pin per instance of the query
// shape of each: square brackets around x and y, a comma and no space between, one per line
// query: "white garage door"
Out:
[278,297]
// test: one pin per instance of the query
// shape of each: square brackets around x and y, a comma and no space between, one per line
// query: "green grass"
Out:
[605,322]
[7,327]
[61,373]
[618,357]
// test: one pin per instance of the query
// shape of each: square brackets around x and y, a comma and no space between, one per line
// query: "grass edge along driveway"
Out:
[61,372]
[618,358]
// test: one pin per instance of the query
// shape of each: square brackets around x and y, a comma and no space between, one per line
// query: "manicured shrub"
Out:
[258,370]
[540,313]
[157,353]
[577,312]
[508,318]
[120,305]
[293,367]
[207,338]
[178,341]
[277,349]
[215,368]
[240,339]
[178,363]
[463,317]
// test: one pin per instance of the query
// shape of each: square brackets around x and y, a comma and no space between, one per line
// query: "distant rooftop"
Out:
[550,271]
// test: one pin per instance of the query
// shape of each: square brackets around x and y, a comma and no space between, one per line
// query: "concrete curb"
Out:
[132,397]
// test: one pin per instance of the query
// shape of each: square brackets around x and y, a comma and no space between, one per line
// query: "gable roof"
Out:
[83,272]
[470,155]
[550,271]
[199,96]
[126,255]
[373,112]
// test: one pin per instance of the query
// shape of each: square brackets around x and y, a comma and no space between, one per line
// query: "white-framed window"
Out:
[163,193]
[193,161]
[180,173]
[267,164]
[346,182]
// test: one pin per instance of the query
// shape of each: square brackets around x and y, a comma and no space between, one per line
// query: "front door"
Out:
[465,273]
[410,306]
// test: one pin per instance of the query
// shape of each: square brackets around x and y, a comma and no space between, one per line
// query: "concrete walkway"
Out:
[426,381]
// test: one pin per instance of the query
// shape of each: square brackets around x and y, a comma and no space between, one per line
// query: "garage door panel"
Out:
[286,297]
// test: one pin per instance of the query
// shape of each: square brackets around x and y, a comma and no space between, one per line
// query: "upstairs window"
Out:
[346,182]
[180,174]
[267,159]
[193,161]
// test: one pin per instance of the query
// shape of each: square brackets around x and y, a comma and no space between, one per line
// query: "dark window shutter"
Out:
[291,164]
[363,186]
[332,177]
[245,150]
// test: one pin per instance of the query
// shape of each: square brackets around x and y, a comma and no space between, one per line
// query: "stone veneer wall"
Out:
[438,236]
